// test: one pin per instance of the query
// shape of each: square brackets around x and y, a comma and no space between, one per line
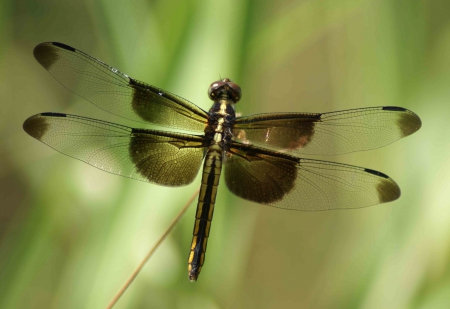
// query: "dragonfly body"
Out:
[220,117]
[259,154]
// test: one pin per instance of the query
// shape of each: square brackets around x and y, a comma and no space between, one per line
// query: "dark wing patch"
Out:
[288,182]
[259,177]
[327,133]
[163,158]
[290,131]
[117,93]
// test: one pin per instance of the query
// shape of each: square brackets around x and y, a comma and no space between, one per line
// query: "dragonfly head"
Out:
[225,88]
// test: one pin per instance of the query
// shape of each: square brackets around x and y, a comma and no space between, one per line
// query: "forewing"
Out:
[163,158]
[117,93]
[283,181]
[327,133]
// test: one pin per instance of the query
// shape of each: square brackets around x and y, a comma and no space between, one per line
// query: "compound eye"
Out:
[213,89]
[236,91]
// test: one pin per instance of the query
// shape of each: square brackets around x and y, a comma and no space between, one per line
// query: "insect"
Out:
[259,153]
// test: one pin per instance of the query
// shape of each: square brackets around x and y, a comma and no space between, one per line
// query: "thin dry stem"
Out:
[150,253]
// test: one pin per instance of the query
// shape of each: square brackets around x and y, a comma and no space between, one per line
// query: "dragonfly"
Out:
[260,154]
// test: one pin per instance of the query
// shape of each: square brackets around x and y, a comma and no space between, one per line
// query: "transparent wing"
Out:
[284,181]
[327,133]
[163,158]
[115,92]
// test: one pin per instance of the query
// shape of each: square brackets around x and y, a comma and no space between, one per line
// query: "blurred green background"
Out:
[70,235]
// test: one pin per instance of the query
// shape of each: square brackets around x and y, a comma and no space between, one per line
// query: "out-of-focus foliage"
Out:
[70,235]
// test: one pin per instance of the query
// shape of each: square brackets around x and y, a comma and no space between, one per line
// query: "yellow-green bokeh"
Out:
[70,234]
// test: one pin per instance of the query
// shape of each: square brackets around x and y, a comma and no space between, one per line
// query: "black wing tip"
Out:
[51,114]
[409,122]
[47,45]
[63,46]
[48,53]
[387,189]
[37,125]
[376,173]
[394,108]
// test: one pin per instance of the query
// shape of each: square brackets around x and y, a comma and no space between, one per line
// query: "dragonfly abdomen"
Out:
[205,209]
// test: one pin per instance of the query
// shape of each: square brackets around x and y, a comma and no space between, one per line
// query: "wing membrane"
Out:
[284,181]
[163,158]
[327,133]
[115,92]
